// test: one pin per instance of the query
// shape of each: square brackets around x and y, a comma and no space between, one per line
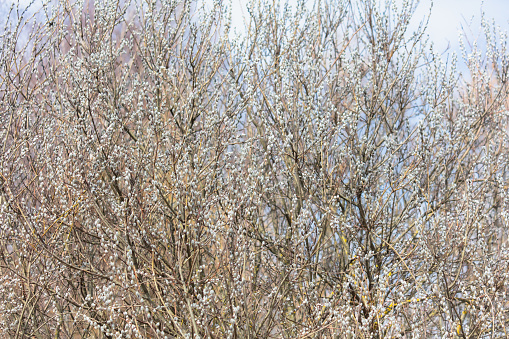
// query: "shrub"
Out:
[326,174]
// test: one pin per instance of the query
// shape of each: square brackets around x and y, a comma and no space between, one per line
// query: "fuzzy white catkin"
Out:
[326,173]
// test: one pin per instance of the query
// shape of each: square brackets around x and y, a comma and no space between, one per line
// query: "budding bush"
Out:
[324,174]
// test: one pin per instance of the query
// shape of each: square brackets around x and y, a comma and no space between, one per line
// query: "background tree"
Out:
[326,174]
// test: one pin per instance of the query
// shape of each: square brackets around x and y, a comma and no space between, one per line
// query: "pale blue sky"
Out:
[447,17]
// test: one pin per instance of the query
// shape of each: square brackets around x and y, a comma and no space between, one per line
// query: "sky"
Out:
[447,18]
